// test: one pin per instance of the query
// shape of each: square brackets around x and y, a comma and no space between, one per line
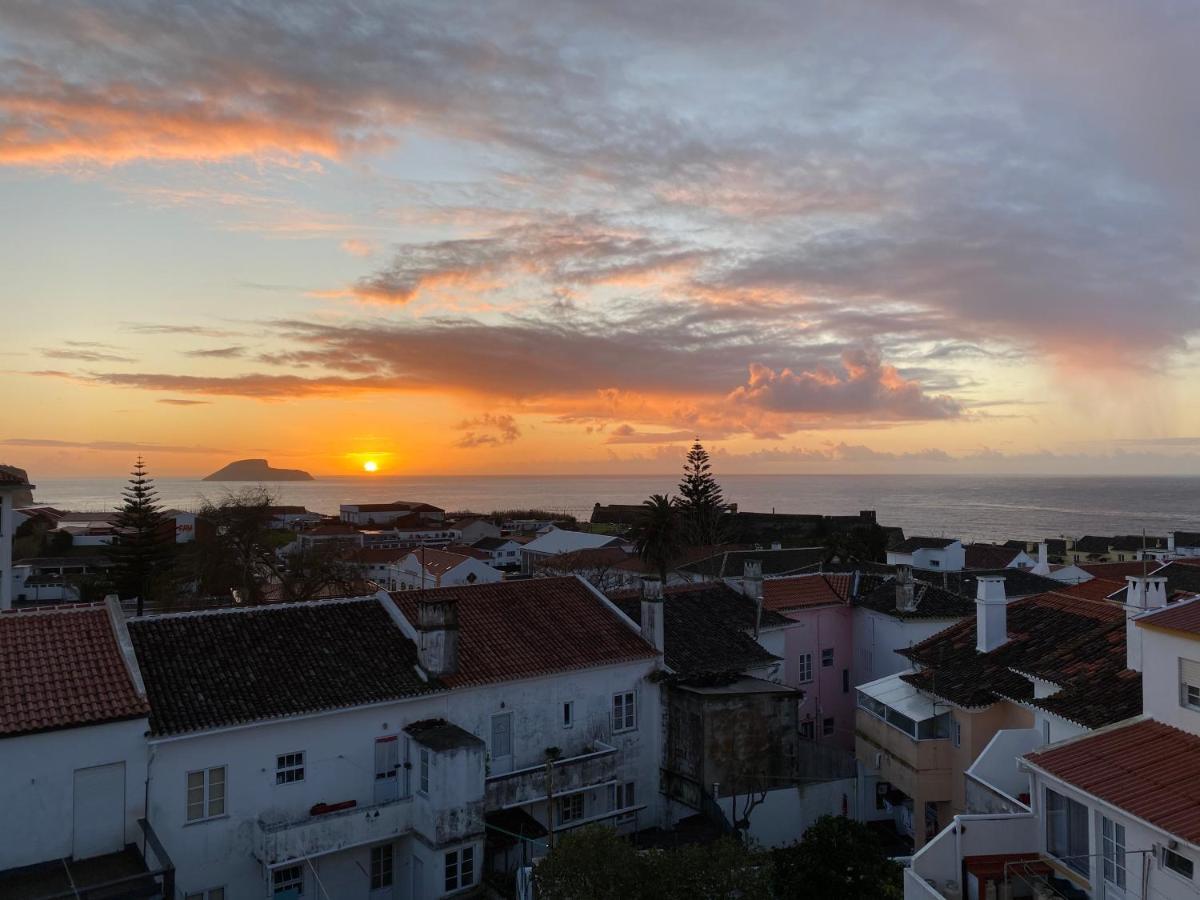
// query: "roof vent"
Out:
[905,596]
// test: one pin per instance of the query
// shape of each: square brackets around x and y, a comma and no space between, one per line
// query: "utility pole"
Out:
[550,802]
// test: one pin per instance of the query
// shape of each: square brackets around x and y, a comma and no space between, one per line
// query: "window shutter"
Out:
[1189,672]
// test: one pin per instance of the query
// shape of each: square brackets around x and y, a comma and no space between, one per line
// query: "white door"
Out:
[99,817]
[502,753]
[418,876]
[387,765]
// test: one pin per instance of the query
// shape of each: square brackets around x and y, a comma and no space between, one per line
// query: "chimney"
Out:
[652,613]
[991,614]
[906,600]
[752,587]
[1043,563]
[1145,592]
[776,545]
[1171,543]
[437,636]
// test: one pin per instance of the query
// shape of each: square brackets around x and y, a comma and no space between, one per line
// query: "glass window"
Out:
[900,721]
[1067,831]
[460,868]
[210,894]
[806,730]
[381,867]
[1189,683]
[956,731]
[568,714]
[570,809]
[288,878]
[845,681]
[1177,863]
[827,658]
[805,667]
[206,793]
[289,767]
[423,781]
[827,727]
[624,711]
[1112,838]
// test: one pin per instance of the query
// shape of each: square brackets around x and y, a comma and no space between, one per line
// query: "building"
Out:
[996,556]
[555,541]
[1117,548]
[1184,543]
[54,579]
[73,756]
[1113,812]
[292,517]
[942,554]
[376,514]
[729,564]
[429,567]
[471,530]
[503,552]
[329,533]
[13,486]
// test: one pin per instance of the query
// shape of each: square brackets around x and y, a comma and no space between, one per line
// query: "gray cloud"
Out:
[230,352]
[131,446]
[488,430]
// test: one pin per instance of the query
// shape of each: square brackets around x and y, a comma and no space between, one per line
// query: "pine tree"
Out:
[143,549]
[701,499]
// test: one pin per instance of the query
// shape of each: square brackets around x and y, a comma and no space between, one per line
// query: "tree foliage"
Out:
[659,537]
[837,857]
[143,550]
[701,500]
[857,544]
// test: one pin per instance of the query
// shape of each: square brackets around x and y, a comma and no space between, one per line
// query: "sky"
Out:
[568,237]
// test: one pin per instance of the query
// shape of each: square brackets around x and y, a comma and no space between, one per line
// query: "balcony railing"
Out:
[279,842]
[595,767]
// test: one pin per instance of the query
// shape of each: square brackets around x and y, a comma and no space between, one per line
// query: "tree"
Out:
[659,539]
[855,545]
[701,499]
[837,857]
[143,550]
[590,863]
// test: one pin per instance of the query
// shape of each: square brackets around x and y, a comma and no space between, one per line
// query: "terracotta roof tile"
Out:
[1178,617]
[1146,768]
[805,591]
[517,629]
[1096,589]
[61,667]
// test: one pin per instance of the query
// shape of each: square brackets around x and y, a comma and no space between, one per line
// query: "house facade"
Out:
[433,568]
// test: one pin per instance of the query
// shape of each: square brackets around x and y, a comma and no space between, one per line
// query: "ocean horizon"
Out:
[969,507]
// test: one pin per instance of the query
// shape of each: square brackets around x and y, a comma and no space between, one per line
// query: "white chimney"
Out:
[1143,593]
[776,545]
[437,636]
[991,614]
[1043,563]
[752,587]
[653,629]
[905,598]
[1171,543]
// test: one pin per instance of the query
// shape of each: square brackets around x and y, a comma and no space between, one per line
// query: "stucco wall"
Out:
[1161,652]
[818,629]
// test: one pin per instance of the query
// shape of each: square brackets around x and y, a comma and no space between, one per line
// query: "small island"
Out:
[256,470]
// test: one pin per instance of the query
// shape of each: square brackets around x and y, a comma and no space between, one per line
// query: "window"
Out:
[805,667]
[423,777]
[622,795]
[1067,831]
[1112,845]
[827,726]
[289,767]
[210,894]
[827,658]
[933,564]
[460,868]
[570,809]
[956,731]
[1189,684]
[1177,863]
[289,878]
[206,793]
[624,713]
[381,867]
[845,681]
[806,730]
[568,714]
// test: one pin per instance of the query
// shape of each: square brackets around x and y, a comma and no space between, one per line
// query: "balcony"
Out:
[278,842]
[596,766]
[994,783]
[989,844]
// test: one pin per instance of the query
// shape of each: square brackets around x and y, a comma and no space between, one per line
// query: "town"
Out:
[252,699]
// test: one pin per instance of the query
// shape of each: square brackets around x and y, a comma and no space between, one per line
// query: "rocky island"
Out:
[256,470]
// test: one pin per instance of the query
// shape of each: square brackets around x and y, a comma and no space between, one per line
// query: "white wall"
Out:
[783,817]
[38,785]
[1161,652]
[877,636]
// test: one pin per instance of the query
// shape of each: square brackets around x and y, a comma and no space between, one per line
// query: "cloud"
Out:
[230,352]
[157,328]
[85,355]
[124,446]
[488,430]
[179,401]
[866,387]
[357,247]
[627,434]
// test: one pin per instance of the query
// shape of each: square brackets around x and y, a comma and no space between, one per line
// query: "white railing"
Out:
[279,842]
[597,766]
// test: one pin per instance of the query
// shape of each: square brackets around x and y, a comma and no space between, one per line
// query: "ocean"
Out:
[968,507]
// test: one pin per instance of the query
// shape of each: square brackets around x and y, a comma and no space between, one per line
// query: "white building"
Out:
[429,567]
[503,553]
[1183,543]
[556,541]
[472,530]
[12,486]
[367,514]
[943,554]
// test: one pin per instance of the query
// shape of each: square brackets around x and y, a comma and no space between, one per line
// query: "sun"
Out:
[370,466]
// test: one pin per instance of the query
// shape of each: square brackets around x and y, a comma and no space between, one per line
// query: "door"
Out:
[418,878]
[1112,850]
[99,815]
[502,754]
[387,768]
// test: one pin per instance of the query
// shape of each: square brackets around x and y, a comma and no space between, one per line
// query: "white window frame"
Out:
[459,868]
[621,796]
[624,711]
[805,662]
[574,803]
[956,731]
[808,730]
[212,803]
[1166,853]
[1189,684]
[382,863]
[289,767]
[1112,852]
[213,893]
[280,884]
[424,768]
[568,714]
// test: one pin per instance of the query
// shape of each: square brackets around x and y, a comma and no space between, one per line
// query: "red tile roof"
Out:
[1116,571]
[1096,589]
[805,591]
[518,629]
[1179,617]
[1146,768]
[438,562]
[61,667]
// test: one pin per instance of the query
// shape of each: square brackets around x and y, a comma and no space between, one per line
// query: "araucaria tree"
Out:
[142,553]
[701,501]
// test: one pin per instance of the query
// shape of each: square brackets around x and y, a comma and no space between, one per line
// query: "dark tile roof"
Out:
[878,592]
[806,591]
[1116,571]
[732,563]
[706,628]
[517,629]
[490,543]
[1091,543]
[908,545]
[1183,580]
[989,556]
[1145,768]
[62,667]
[213,669]
[1076,644]
[440,735]
[1017,582]
[1134,542]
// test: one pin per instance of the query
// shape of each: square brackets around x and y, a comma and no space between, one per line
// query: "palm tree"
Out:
[659,536]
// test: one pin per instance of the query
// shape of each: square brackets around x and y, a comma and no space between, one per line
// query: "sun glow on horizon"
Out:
[370,466]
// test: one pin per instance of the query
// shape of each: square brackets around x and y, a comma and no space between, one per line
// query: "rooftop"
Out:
[930,601]
[989,556]
[909,545]
[1017,582]
[732,563]
[1146,768]
[440,735]
[559,540]
[518,629]
[61,667]
[807,591]
[438,562]
[1177,617]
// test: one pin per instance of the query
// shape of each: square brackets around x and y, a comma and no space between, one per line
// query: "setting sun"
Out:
[370,466]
